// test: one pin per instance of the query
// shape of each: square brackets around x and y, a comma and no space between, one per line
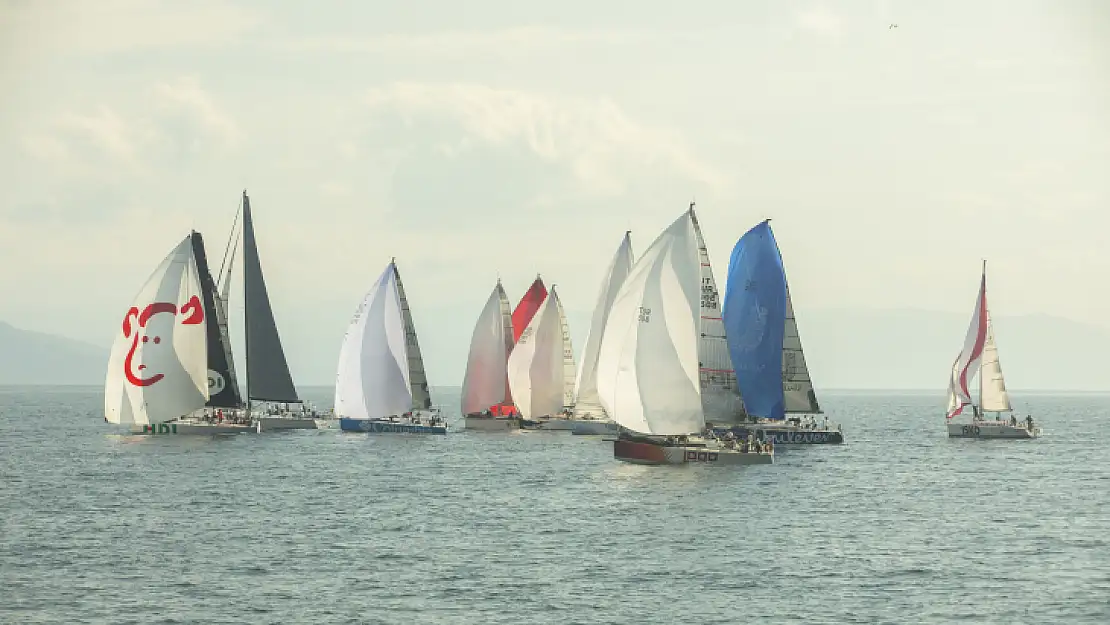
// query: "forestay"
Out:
[158,366]
[647,370]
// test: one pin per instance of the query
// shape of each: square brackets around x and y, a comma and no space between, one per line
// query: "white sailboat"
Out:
[487,402]
[561,419]
[647,368]
[980,357]
[589,415]
[536,367]
[380,385]
[158,374]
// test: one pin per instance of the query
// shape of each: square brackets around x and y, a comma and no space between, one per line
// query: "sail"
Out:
[797,388]
[418,379]
[222,317]
[527,307]
[223,389]
[569,370]
[535,365]
[158,366]
[268,377]
[968,360]
[510,340]
[485,383]
[720,394]
[373,376]
[586,401]
[755,319]
[647,368]
[992,394]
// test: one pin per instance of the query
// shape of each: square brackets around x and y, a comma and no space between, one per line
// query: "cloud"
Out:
[603,149]
[171,120]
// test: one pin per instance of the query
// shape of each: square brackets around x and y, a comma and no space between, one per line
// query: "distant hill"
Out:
[35,358]
[914,349]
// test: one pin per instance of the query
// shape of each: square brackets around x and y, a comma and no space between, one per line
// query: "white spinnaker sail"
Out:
[647,370]
[373,376]
[993,395]
[158,368]
[586,400]
[967,363]
[569,370]
[535,365]
[485,383]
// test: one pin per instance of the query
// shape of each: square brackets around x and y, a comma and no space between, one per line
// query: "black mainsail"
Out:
[223,391]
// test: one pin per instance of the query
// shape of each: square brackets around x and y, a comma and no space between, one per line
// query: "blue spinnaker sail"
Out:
[754,315]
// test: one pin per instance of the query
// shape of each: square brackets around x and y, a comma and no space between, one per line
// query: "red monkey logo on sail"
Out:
[195,315]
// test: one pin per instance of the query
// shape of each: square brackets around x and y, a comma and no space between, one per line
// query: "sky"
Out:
[491,139]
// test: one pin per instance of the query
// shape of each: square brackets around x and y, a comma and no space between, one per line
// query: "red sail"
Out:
[527,307]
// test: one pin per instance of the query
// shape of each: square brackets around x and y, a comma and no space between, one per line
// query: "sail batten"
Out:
[647,368]
[418,377]
[720,393]
[268,377]
[586,400]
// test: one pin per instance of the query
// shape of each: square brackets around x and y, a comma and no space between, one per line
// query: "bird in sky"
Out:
[892,26]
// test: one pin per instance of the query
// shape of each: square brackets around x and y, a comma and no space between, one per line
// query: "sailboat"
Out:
[381,385]
[272,398]
[647,368]
[487,402]
[766,348]
[980,356]
[589,417]
[159,378]
[535,365]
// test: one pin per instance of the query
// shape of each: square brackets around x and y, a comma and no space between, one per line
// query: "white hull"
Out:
[492,424]
[557,424]
[194,428]
[991,429]
[593,427]
[270,424]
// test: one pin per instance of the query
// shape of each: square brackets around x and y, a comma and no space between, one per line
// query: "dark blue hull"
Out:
[779,436]
[385,426]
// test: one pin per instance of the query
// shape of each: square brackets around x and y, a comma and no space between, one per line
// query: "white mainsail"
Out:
[485,383]
[373,376]
[797,387]
[535,366]
[720,393]
[158,368]
[569,370]
[992,390]
[586,401]
[418,377]
[647,369]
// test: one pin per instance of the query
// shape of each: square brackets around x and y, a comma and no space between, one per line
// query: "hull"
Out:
[593,427]
[556,424]
[194,429]
[270,424]
[385,426]
[786,434]
[648,453]
[492,424]
[991,429]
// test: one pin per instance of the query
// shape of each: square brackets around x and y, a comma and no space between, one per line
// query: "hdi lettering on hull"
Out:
[160,428]
[701,456]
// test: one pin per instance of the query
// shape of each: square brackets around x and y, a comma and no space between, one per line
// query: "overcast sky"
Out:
[486,138]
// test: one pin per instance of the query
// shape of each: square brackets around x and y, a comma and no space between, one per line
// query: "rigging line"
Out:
[229,248]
